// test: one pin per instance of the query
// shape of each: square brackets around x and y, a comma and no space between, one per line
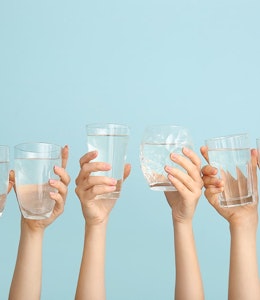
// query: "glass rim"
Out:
[20,147]
[106,125]
[110,129]
[224,137]
[166,126]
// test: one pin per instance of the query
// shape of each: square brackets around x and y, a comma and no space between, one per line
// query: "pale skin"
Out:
[183,203]
[91,281]
[27,277]
[243,221]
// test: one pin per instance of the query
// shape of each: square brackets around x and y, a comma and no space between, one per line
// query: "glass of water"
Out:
[110,140]
[158,142]
[4,175]
[231,155]
[34,167]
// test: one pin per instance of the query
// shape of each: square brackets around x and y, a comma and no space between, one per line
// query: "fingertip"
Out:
[220,184]
[202,149]
[93,153]
[128,166]
[65,151]
[254,152]
[214,170]
[57,169]
[209,170]
[186,150]
[53,194]
[11,176]
[107,166]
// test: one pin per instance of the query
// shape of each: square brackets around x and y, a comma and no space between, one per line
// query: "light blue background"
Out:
[67,63]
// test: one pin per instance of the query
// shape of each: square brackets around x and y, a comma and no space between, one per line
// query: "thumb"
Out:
[127,171]
[11,181]
[204,152]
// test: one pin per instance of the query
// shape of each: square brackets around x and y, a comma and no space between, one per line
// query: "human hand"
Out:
[11,181]
[188,184]
[245,214]
[95,211]
[59,197]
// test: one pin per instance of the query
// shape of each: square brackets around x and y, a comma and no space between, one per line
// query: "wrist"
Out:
[182,224]
[89,226]
[244,223]
[180,221]
[31,230]
[246,228]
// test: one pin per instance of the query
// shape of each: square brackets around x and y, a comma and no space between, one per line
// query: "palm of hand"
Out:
[182,209]
[97,211]
[239,214]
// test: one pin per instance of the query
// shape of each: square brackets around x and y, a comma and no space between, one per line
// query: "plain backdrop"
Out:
[64,64]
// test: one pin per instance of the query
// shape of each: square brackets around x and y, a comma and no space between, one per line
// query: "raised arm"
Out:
[27,277]
[243,222]
[91,281]
[183,203]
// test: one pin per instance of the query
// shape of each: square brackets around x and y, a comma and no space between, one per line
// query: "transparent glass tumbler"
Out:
[111,141]
[4,176]
[34,167]
[158,142]
[231,155]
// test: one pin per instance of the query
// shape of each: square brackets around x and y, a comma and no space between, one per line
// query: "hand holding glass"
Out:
[231,155]
[4,175]
[34,167]
[110,140]
[157,144]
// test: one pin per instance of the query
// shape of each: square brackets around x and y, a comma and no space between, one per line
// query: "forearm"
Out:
[243,275]
[26,282]
[188,277]
[91,282]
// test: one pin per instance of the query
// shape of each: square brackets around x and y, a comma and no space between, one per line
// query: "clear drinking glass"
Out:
[110,140]
[34,167]
[4,175]
[231,155]
[158,142]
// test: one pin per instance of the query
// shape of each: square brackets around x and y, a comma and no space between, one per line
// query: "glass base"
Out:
[162,187]
[236,202]
[114,195]
[35,216]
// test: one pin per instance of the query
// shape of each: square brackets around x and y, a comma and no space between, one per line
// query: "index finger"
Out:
[127,170]
[64,156]
[87,157]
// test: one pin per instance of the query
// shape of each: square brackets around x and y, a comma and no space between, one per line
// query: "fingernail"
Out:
[52,182]
[174,156]
[167,168]
[113,181]
[186,150]
[170,177]
[112,187]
